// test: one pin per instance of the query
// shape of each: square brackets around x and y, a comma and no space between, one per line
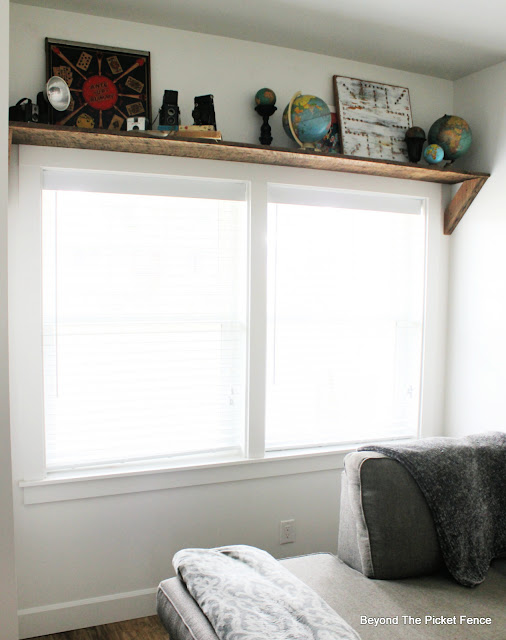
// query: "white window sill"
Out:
[94,483]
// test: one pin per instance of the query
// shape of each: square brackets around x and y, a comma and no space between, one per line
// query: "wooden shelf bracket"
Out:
[461,202]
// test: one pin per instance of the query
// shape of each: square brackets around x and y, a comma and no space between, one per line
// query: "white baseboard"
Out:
[65,616]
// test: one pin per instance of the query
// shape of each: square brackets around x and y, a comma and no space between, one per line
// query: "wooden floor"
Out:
[140,629]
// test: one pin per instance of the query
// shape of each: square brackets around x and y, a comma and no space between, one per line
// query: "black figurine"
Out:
[415,137]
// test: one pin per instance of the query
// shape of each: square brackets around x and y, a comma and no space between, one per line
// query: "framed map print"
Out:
[107,85]
[373,118]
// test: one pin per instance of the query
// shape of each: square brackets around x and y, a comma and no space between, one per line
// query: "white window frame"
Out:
[25,338]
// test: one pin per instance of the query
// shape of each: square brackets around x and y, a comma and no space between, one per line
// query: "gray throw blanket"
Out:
[247,595]
[464,483]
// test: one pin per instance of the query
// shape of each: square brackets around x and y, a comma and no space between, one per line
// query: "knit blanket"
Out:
[248,595]
[464,483]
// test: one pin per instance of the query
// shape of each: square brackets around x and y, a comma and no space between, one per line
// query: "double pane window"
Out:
[146,294]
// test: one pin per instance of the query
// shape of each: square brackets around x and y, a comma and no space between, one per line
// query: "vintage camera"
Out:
[137,123]
[44,107]
[169,111]
[203,112]
[24,111]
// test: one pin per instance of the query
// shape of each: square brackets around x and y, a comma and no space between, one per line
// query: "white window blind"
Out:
[342,199]
[345,317]
[144,317]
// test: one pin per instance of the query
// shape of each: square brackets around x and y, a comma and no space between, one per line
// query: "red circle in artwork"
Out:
[100,92]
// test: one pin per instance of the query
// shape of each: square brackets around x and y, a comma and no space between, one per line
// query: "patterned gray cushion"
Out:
[352,596]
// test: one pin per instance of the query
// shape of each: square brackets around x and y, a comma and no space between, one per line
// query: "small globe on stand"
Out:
[265,97]
[306,119]
[452,134]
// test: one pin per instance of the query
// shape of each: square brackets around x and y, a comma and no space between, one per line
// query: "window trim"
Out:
[117,481]
[28,433]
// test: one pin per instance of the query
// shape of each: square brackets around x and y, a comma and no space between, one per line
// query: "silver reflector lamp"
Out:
[58,93]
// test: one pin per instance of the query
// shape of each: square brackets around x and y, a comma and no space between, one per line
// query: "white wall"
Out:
[115,549]
[195,64]
[476,382]
[94,560]
[8,603]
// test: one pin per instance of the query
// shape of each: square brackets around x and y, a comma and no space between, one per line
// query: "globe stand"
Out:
[266,111]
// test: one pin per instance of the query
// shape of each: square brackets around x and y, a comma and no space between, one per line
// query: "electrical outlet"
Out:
[286,531]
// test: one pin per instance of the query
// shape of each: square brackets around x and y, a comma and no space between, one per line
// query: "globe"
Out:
[452,134]
[433,153]
[265,96]
[310,117]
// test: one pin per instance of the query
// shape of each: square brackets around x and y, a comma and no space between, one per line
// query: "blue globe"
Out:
[433,154]
[310,117]
[452,134]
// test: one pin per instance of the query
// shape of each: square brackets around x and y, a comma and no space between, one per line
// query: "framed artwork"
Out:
[107,85]
[373,118]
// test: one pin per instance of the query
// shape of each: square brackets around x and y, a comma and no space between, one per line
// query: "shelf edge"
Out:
[144,142]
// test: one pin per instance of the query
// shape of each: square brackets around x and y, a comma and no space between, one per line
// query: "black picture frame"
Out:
[107,84]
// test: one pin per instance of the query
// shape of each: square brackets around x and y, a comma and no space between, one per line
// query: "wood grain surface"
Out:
[146,142]
[150,143]
[461,202]
[140,629]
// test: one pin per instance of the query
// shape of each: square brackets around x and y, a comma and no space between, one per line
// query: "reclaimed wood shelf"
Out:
[151,143]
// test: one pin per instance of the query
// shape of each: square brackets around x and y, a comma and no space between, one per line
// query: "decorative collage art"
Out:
[107,85]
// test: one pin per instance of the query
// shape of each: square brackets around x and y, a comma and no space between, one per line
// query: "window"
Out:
[211,312]
[144,320]
[345,318]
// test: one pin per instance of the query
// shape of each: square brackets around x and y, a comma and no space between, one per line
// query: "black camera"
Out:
[24,111]
[169,111]
[203,113]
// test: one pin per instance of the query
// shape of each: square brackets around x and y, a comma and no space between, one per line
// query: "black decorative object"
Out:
[203,111]
[415,137]
[266,111]
[24,111]
[265,100]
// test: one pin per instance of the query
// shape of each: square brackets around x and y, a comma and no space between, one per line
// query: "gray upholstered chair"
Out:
[389,566]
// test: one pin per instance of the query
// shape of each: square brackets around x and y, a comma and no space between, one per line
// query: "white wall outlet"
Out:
[286,531]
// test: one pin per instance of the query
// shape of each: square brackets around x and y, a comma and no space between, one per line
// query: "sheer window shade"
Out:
[144,317]
[345,317]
